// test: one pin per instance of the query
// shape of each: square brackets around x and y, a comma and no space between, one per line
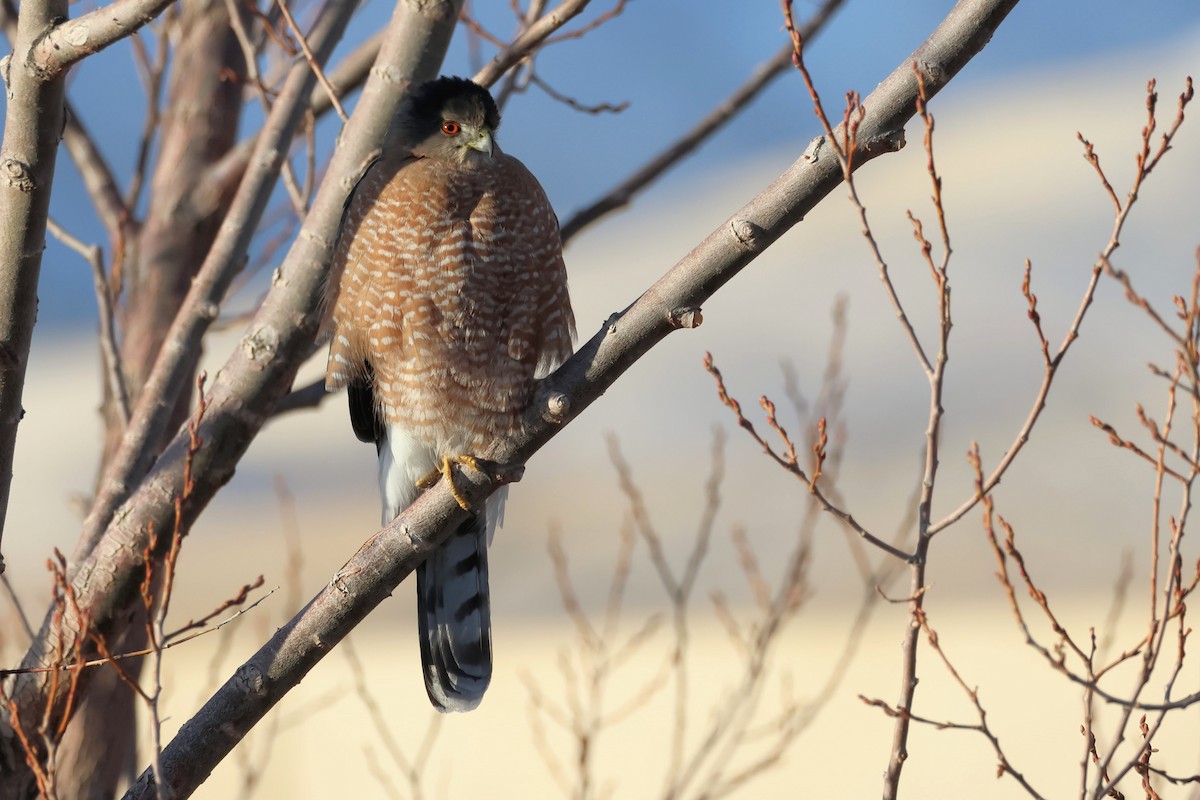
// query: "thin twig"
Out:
[312,62]
[623,193]
[1146,162]
[845,517]
[16,604]
[113,371]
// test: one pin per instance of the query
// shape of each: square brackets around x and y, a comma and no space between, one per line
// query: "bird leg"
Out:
[446,470]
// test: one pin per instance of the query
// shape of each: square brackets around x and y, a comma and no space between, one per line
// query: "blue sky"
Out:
[1015,188]
[672,61]
[1015,183]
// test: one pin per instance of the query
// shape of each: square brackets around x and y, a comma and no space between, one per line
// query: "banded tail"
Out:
[454,615]
[453,602]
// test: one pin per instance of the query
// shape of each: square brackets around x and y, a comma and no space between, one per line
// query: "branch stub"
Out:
[751,236]
[688,317]
[18,175]
[261,345]
[253,680]
[558,405]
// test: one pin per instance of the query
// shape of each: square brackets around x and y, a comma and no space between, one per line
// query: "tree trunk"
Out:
[199,127]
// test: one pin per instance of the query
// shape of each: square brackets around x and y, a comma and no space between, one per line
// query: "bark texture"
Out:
[391,554]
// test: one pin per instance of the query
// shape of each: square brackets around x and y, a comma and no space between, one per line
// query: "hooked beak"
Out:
[483,142]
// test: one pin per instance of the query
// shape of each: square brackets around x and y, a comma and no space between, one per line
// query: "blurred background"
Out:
[1015,187]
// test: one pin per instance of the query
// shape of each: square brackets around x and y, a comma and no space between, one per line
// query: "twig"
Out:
[113,371]
[254,78]
[1146,163]
[16,604]
[571,102]
[312,61]
[149,419]
[152,77]
[789,464]
[581,31]
[530,39]
[622,195]
[100,184]
[71,41]
[413,768]
[170,640]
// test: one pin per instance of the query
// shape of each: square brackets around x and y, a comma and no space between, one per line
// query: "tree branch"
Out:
[223,262]
[98,180]
[528,41]
[391,554]
[74,40]
[623,194]
[31,131]
[259,369]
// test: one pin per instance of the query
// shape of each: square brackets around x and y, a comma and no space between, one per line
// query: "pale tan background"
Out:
[1015,187]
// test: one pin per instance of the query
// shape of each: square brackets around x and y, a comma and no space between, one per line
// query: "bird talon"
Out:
[430,479]
[446,470]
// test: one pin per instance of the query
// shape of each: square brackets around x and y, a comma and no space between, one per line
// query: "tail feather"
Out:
[454,614]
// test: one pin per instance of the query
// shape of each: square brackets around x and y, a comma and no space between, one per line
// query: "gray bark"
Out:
[390,555]
[27,155]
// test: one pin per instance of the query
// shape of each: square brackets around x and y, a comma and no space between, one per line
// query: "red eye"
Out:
[450,128]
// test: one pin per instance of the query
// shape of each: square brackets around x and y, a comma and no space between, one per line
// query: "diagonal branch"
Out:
[251,379]
[623,194]
[224,261]
[260,369]
[98,180]
[529,39]
[74,40]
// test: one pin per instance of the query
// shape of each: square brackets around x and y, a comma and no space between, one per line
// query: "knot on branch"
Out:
[933,75]
[812,153]
[507,473]
[558,405]
[76,35]
[751,236]
[261,345]
[252,680]
[435,9]
[888,142]
[689,317]
[18,175]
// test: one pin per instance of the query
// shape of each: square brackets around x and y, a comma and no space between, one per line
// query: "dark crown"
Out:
[467,101]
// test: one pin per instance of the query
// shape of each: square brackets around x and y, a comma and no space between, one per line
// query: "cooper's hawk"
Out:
[452,299]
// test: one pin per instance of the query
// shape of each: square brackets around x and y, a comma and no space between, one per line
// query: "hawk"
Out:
[452,301]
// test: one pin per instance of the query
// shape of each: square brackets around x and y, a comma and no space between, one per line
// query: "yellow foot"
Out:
[447,471]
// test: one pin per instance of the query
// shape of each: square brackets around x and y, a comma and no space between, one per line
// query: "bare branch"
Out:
[622,194]
[111,353]
[312,61]
[392,553]
[199,309]
[16,604]
[32,126]
[529,40]
[72,41]
[347,76]
[98,180]
[790,463]
[1145,163]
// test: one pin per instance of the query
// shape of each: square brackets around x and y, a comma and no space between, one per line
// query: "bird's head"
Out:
[450,119]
